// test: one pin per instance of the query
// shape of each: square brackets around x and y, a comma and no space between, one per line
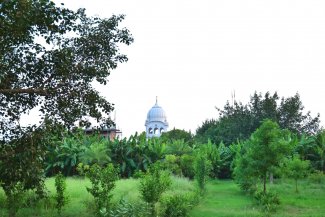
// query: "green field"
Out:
[223,198]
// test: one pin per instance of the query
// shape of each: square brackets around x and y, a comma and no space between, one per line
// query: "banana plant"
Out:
[98,152]
[64,155]
[305,146]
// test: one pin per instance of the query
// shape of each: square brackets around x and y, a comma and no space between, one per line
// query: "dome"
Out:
[156,113]
[156,122]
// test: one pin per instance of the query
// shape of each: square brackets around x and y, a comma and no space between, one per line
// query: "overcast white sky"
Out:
[193,53]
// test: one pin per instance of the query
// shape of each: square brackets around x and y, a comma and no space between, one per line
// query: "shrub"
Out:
[138,174]
[186,165]
[125,209]
[82,169]
[153,184]
[103,182]
[171,163]
[176,206]
[267,200]
[202,168]
[61,197]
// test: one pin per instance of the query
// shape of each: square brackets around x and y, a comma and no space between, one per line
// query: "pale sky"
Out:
[193,54]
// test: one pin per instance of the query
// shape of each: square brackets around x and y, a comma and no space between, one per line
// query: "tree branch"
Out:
[38,91]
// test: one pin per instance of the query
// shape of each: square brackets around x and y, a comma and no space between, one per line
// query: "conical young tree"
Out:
[267,148]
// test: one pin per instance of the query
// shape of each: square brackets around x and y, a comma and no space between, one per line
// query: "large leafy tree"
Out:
[239,121]
[50,58]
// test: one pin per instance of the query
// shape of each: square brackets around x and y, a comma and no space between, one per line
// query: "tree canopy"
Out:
[50,57]
[239,121]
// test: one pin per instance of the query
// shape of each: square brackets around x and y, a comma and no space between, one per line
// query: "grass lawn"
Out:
[223,198]
[80,199]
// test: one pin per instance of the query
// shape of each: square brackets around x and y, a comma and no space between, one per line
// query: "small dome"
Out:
[156,114]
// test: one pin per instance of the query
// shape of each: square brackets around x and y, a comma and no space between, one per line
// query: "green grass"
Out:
[80,199]
[223,198]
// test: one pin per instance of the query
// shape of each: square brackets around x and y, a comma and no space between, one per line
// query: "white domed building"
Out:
[156,122]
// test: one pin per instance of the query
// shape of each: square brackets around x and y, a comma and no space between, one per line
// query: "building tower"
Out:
[156,122]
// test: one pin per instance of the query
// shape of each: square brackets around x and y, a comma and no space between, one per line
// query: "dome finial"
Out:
[156,100]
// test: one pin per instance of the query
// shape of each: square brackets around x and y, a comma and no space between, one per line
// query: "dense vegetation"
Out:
[264,141]
[270,152]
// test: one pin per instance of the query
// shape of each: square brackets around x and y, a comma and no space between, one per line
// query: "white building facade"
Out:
[156,122]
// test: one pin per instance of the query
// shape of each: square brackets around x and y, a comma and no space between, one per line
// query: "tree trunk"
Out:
[296,185]
[271,178]
[264,184]
[152,209]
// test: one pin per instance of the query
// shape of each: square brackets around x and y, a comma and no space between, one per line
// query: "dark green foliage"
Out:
[177,134]
[238,121]
[320,151]
[227,156]
[60,197]
[21,165]
[243,173]
[15,196]
[103,182]
[63,155]
[202,168]
[153,184]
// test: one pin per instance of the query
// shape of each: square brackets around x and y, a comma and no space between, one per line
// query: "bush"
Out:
[138,174]
[176,206]
[153,184]
[186,165]
[103,182]
[317,177]
[267,200]
[125,209]
[202,168]
[171,163]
